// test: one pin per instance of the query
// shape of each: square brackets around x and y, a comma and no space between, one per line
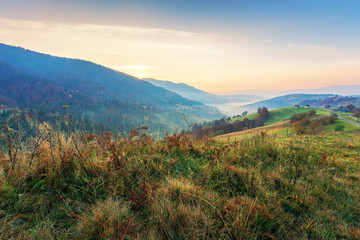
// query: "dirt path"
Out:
[349,121]
[275,126]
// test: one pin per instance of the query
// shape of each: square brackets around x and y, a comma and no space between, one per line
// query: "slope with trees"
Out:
[34,80]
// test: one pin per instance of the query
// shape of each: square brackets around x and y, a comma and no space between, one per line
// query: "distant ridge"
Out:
[30,79]
[345,90]
[195,94]
[86,77]
[332,102]
[282,101]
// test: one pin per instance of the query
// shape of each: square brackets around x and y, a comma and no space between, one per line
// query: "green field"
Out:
[250,117]
[338,126]
[349,117]
[282,114]
[341,126]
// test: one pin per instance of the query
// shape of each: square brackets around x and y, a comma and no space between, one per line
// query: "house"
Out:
[307,106]
[296,106]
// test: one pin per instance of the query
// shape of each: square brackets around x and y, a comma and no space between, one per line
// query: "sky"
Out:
[217,46]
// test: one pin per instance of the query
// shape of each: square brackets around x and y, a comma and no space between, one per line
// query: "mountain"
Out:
[31,79]
[195,94]
[345,90]
[282,101]
[333,102]
[18,88]
[87,77]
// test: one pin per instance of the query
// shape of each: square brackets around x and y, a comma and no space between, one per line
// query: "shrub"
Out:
[300,116]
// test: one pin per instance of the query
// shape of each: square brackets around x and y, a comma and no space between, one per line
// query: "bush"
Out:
[300,116]
[312,113]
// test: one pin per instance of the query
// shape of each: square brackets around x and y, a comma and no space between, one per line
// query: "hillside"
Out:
[278,122]
[87,78]
[332,102]
[31,79]
[17,88]
[348,90]
[102,187]
[280,114]
[345,90]
[283,114]
[283,101]
[273,129]
[195,94]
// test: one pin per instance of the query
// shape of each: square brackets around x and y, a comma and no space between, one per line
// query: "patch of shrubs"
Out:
[312,126]
[300,116]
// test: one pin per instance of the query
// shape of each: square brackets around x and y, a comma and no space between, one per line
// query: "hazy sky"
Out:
[218,46]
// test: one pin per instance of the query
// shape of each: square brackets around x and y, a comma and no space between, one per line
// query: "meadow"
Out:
[281,114]
[278,123]
[79,185]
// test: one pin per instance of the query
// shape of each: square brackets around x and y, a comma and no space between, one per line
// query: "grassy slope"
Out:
[276,127]
[276,123]
[250,117]
[349,116]
[341,125]
[282,114]
[302,187]
[284,129]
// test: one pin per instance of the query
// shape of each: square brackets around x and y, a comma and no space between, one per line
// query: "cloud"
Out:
[92,41]
[132,67]
[304,46]
[208,61]
[171,38]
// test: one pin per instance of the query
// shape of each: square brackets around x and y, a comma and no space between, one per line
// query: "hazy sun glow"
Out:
[218,60]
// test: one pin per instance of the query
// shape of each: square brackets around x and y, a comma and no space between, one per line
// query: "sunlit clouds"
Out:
[217,63]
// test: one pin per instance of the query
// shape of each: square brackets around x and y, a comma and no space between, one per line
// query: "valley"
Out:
[87,152]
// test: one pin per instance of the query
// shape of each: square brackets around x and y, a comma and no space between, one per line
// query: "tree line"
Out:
[223,126]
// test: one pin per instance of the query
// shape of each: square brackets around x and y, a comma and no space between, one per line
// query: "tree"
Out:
[327,106]
[356,112]
[350,107]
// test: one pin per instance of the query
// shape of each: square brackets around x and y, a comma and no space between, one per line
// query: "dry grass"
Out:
[258,130]
[85,186]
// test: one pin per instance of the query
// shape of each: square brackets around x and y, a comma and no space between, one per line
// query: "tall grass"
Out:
[86,186]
